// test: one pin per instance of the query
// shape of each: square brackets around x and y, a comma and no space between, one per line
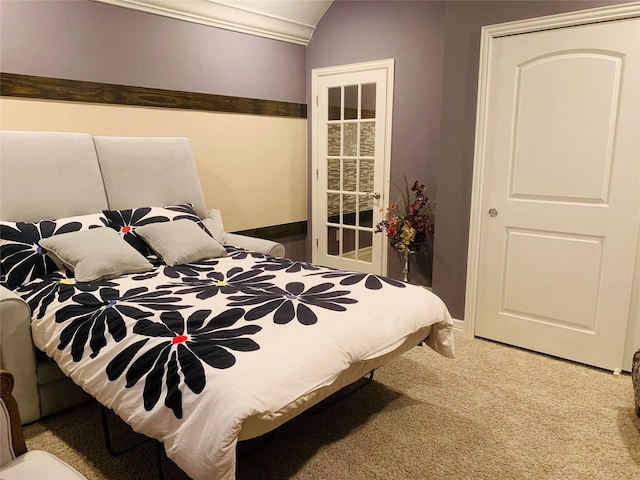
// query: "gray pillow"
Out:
[214,224]
[95,254]
[180,241]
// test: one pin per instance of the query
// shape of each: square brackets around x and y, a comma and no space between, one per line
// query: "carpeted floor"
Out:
[493,412]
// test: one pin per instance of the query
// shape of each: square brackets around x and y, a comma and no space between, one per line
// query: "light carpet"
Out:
[493,412]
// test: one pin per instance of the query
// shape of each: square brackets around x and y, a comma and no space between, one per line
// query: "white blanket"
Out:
[185,354]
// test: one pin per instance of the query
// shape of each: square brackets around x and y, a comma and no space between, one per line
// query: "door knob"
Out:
[493,213]
[375,195]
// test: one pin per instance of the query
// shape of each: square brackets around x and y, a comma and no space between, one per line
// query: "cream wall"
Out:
[252,167]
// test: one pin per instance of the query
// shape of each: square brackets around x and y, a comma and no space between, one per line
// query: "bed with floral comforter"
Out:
[185,354]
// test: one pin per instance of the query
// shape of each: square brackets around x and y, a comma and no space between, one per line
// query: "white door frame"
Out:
[318,221]
[488,34]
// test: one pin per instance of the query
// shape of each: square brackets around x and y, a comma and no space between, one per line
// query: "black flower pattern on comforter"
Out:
[273,264]
[371,282]
[125,221]
[293,302]
[179,271]
[180,347]
[234,280]
[91,316]
[22,257]
[40,293]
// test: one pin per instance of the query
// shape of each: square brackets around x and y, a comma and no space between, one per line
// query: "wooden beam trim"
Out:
[28,86]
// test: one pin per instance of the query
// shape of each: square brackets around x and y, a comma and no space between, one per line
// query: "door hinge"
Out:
[317,243]
[317,173]
[317,104]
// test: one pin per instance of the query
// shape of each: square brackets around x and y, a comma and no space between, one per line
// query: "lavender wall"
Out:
[436,46]
[463,20]
[412,33]
[91,41]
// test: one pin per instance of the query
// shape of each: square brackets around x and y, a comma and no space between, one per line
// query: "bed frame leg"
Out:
[107,436]
[343,393]
[116,453]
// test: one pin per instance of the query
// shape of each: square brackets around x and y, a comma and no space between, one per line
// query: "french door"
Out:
[350,178]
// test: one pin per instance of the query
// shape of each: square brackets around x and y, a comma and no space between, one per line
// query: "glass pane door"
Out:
[351,150]
[351,143]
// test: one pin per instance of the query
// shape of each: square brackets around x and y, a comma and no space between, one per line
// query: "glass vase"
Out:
[405,264]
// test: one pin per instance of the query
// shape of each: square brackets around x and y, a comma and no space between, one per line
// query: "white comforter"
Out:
[185,354]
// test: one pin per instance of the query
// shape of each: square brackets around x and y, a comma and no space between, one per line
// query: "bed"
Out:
[201,350]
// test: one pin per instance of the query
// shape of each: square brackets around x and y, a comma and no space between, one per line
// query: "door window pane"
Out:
[333,140]
[368,106]
[349,173]
[365,240]
[348,243]
[367,139]
[333,207]
[333,174]
[334,104]
[350,147]
[366,176]
[351,102]
[333,241]
[365,212]
[349,210]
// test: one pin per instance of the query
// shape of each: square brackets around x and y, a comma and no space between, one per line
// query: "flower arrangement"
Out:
[409,224]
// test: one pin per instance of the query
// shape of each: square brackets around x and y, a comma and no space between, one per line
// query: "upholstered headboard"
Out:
[48,175]
[51,175]
[149,171]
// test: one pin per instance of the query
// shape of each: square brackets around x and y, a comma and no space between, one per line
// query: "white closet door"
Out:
[561,190]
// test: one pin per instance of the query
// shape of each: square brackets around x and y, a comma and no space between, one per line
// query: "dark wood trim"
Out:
[28,86]
[276,232]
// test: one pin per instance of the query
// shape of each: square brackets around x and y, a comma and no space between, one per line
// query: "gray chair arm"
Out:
[214,224]
[260,245]
[17,353]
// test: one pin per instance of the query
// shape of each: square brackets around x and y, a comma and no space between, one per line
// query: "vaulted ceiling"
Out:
[287,20]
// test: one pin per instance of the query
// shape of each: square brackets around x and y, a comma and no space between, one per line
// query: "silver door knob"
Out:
[375,195]
[493,213]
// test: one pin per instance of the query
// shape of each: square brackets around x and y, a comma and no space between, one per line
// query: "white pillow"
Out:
[180,241]
[96,254]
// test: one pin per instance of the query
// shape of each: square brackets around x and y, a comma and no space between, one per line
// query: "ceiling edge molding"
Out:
[223,16]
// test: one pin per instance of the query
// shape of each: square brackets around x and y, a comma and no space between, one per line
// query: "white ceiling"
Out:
[287,20]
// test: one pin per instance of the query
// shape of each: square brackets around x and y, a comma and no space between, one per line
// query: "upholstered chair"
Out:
[16,463]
